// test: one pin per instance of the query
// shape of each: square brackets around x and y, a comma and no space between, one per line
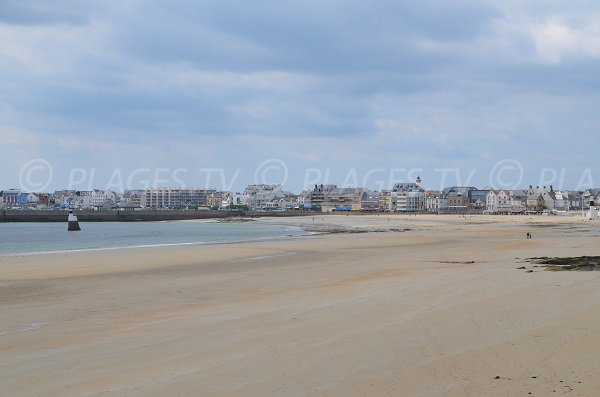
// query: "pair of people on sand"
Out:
[529,236]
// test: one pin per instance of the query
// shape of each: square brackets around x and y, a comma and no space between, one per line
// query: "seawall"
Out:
[135,216]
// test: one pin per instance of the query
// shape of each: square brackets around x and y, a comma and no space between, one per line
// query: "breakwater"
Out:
[136,216]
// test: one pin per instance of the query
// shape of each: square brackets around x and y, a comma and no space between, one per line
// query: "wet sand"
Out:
[435,308]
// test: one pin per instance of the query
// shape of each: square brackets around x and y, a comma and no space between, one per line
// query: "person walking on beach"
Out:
[527,235]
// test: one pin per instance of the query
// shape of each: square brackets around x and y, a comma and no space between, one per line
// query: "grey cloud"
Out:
[348,83]
[316,36]
[40,12]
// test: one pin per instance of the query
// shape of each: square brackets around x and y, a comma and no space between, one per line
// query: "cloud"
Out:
[11,136]
[555,40]
[334,84]
[39,12]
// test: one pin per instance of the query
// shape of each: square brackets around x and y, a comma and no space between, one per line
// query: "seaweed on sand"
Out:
[581,263]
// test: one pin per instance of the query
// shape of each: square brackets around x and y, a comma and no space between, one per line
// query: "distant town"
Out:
[408,197]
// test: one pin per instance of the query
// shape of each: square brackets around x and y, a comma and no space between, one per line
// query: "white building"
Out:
[303,198]
[132,196]
[166,197]
[31,198]
[505,201]
[99,197]
[410,197]
[231,199]
[81,199]
[435,201]
[264,197]
[10,197]
[493,199]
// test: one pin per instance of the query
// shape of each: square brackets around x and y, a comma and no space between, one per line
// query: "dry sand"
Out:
[439,310]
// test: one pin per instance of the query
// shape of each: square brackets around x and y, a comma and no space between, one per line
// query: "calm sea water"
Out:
[29,238]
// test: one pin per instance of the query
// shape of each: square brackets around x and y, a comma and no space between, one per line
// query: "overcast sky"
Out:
[107,93]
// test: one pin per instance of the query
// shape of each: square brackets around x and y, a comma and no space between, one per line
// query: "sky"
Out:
[221,94]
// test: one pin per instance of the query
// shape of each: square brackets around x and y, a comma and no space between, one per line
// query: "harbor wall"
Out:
[133,216]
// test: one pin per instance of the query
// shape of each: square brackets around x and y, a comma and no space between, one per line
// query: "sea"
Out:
[36,238]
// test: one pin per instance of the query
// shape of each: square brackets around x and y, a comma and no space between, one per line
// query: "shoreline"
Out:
[284,233]
[308,231]
[153,246]
[324,227]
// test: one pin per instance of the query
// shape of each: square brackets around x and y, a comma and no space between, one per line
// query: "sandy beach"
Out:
[436,307]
